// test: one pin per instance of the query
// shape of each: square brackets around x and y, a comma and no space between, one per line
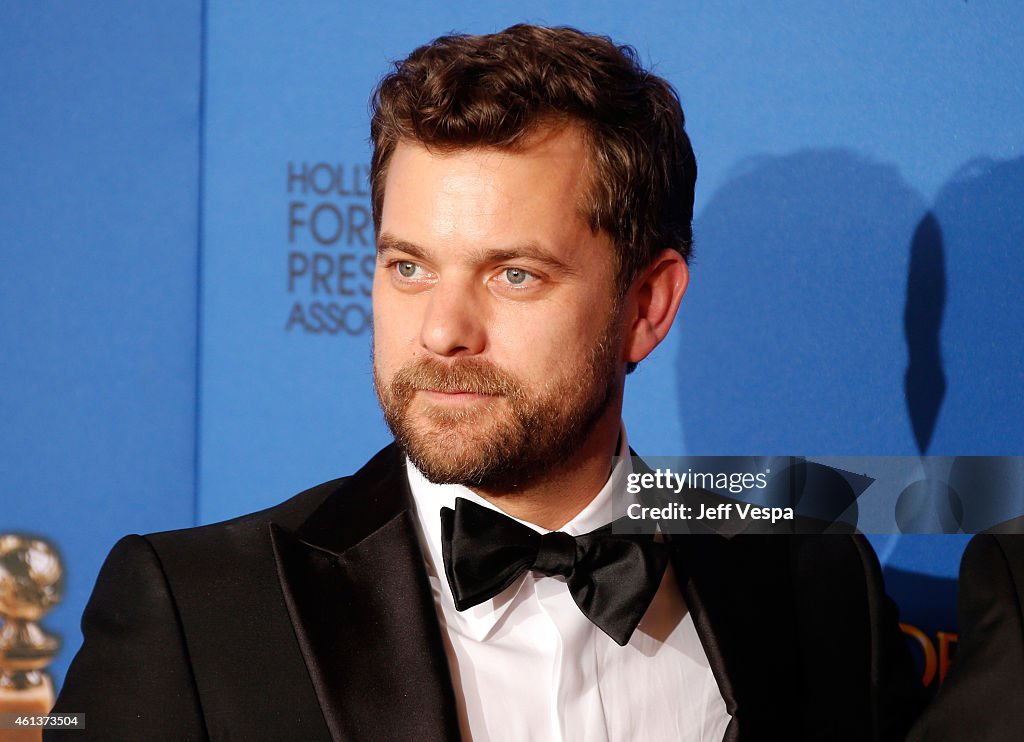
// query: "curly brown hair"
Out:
[496,90]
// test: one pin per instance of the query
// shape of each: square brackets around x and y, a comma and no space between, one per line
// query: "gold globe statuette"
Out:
[31,584]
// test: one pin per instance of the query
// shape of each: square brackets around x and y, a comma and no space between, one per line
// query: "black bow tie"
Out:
[612,577]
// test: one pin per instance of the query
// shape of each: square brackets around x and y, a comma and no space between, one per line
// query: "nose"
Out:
[454,323]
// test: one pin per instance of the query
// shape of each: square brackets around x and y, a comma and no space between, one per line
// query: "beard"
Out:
[503,443]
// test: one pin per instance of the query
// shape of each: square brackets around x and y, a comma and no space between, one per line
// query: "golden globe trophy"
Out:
[31,584]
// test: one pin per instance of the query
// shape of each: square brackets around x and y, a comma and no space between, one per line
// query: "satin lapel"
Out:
[739,593]
[693,560]
[360,602]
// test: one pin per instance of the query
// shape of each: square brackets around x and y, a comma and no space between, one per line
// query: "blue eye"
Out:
[407,269]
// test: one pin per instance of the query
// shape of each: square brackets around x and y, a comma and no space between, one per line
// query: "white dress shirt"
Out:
[528,665]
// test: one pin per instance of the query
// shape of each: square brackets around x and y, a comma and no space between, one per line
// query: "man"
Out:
[532,196]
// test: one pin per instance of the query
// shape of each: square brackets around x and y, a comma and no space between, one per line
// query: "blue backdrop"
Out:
[187,245]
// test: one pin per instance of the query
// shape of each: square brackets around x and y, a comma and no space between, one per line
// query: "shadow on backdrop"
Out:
[924,381]
[792,336]
[977,223]
[983,227]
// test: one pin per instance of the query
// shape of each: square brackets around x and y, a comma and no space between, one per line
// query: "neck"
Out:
[558,496]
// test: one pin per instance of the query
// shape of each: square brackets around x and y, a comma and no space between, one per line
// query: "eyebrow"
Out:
[387,243]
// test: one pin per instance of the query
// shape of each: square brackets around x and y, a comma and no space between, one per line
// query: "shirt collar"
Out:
[479,620]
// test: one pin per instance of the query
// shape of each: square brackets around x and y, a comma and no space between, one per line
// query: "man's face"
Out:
[497,334]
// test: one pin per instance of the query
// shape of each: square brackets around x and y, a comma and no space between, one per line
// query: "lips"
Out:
[455,395]
[453,391]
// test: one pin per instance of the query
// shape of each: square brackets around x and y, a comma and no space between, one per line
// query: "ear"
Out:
[652,302]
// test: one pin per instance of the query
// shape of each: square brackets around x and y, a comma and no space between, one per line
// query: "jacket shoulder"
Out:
[246,531]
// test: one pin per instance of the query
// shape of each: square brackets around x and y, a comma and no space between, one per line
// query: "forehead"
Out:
[532,192]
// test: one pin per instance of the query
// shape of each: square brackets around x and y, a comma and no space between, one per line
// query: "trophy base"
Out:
[33,701]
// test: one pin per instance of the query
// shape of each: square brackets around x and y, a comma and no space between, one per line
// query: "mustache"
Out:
[469,375]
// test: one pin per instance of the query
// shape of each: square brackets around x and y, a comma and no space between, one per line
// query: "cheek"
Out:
[396,328]
[535,342]
[385,331]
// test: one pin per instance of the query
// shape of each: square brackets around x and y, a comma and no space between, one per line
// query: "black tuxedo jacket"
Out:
[982,697]
[314,620]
